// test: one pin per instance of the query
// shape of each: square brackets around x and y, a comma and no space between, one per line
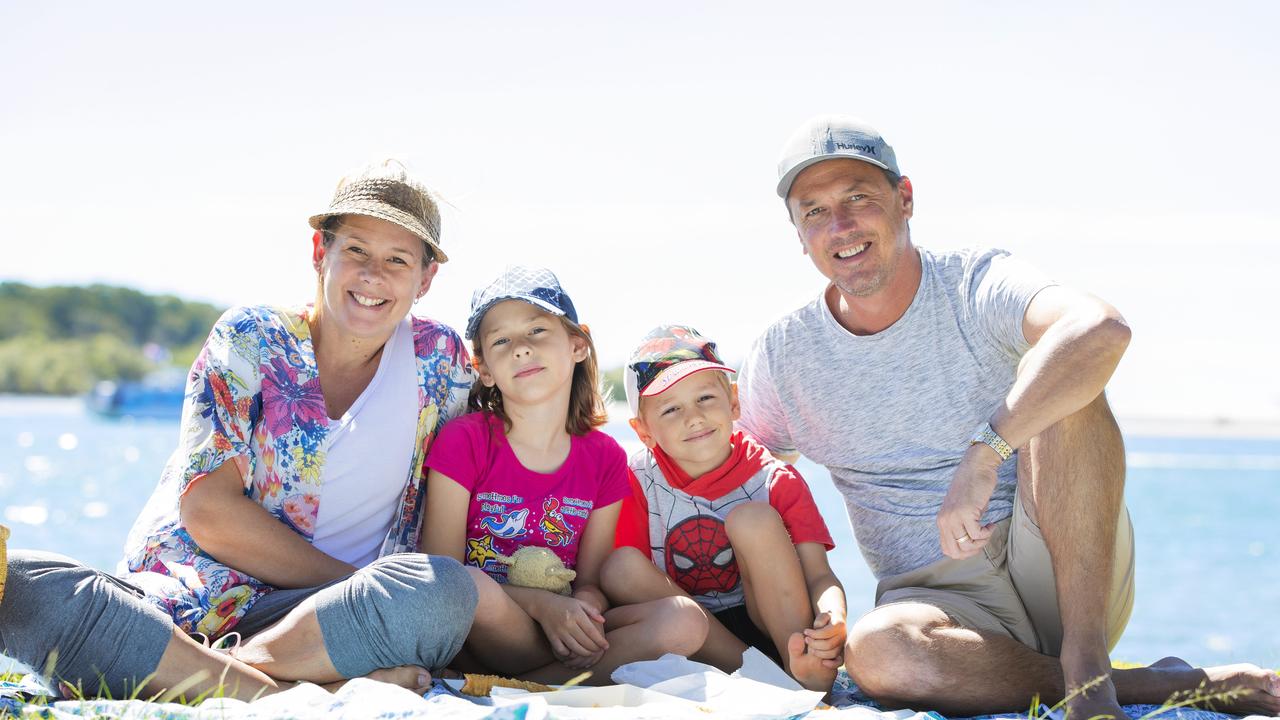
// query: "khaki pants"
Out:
[1009,587]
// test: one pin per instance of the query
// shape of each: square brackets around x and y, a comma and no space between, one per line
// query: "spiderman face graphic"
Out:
[699,556]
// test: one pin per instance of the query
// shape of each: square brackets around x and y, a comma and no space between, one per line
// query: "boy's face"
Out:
[691,421]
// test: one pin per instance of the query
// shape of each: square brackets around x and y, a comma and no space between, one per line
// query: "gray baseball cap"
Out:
[832,136]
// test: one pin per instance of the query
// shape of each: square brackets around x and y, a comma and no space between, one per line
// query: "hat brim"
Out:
[473,323]
[784,183]
[404,220]
[674,374]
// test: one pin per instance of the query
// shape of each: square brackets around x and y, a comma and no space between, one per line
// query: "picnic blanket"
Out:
[704,696]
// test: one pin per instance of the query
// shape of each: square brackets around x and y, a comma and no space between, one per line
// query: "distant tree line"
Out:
[62,340]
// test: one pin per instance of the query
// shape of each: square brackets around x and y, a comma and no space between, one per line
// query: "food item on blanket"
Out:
[480,685]
[538,567]
[4,559]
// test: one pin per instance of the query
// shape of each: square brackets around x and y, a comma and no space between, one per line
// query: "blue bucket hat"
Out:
[536,286]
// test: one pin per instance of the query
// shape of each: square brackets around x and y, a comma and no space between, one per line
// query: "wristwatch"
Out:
[992,439]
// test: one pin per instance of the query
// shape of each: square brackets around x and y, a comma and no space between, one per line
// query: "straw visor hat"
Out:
[385,191]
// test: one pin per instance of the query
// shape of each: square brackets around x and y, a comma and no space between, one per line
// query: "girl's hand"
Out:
[826,638]
[575,630]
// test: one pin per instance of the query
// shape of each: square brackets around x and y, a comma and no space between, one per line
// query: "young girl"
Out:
[531,469]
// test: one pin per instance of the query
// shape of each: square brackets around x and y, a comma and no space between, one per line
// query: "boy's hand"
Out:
[575,630]
[826,638]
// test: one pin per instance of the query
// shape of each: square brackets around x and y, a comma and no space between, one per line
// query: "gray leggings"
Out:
[406,609]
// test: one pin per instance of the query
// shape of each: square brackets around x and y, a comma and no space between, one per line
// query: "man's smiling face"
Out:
[852,223]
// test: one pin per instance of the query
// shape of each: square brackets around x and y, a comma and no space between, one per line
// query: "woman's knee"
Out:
[89,626]
[406,609]
[422,582]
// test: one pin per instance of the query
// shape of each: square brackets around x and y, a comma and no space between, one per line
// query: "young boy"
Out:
[714,516]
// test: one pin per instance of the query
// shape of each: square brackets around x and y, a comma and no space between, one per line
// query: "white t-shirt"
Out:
[367,456]
[890,414]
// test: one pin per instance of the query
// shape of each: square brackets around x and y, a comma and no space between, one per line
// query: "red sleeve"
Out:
[633,523]
[789,495]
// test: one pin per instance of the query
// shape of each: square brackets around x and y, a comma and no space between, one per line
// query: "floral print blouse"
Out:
[253,398]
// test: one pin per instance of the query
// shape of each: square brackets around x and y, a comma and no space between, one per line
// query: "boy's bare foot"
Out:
[1257,691]
[808,670]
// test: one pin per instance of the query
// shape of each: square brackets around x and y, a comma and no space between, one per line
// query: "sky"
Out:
[1126,150]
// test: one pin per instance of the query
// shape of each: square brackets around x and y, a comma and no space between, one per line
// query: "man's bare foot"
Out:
[409,677]
[1241,689]
[808,670]
[1091,695]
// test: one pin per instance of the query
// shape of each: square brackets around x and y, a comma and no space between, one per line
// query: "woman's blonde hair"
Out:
[586,403]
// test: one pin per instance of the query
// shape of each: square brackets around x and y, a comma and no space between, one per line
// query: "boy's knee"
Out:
[752,517]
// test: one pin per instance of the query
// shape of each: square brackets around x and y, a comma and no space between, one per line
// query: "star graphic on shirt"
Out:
[480,551]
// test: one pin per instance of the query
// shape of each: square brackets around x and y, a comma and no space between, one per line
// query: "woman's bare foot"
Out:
[1242,689]
[808,670]
[409,677]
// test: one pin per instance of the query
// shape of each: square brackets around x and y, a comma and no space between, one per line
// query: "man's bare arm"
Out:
[1077,342]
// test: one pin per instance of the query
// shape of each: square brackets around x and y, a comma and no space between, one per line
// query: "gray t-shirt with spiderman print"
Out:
[891,414]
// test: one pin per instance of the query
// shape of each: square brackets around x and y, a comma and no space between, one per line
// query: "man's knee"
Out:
[887,651]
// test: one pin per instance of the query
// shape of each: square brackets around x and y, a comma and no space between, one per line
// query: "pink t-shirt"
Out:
[511,506]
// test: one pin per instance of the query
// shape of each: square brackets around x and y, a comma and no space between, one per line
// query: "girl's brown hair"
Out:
[586,404]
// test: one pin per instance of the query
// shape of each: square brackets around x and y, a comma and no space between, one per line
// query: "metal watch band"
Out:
[989,437]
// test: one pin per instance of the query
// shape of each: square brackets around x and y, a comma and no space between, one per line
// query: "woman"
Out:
[297,479]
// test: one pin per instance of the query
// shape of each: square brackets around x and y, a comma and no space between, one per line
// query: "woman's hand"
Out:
[575,630]
[243,535]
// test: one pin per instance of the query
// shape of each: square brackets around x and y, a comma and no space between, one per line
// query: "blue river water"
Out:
[1206,513]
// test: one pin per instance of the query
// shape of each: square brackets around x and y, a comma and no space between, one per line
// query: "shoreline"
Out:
[1131,425]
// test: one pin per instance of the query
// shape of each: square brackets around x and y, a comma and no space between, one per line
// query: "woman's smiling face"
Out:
[370,275]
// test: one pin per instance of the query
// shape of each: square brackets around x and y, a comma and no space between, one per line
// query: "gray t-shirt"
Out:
[891,414]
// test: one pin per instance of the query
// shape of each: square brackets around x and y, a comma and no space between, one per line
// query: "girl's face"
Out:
[527,353]
[370,275]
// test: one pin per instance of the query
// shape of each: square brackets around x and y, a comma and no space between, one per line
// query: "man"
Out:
[913,377]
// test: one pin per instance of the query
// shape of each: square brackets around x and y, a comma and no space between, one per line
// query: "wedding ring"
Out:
[963,539]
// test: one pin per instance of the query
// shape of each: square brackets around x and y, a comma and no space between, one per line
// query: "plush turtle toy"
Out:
[4,558]
[538,567]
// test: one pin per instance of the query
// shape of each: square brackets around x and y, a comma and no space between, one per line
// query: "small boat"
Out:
[158,396]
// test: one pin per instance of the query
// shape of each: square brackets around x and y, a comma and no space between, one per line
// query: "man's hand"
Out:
[575,630]
[826,639]
[960,528]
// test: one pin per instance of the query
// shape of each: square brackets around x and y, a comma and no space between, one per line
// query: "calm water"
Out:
[1205,513]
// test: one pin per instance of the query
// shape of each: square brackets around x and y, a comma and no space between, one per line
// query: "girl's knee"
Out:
[619,569]
[681,624]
